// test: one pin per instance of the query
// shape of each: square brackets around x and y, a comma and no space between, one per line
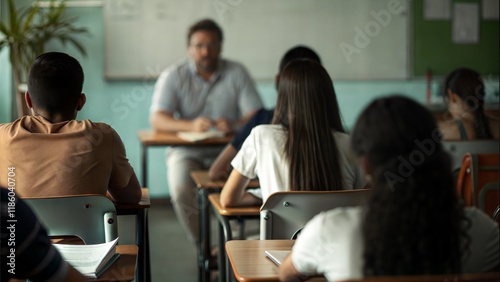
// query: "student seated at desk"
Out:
[412,224]
[464,93]
[52,153]
[304,149]
[221,167]
[25,246]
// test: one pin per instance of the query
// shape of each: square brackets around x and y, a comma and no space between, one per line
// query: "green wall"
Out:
[429,47]
[125,105]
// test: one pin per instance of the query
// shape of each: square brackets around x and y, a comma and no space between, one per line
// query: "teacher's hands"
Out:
[201,124]
[223,125]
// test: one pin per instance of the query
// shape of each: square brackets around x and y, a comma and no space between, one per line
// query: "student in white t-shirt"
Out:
[413,223]
[305,147]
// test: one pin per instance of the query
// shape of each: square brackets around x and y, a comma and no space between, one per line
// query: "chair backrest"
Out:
[285,213]
[457,149]
[91,218]
[478,182]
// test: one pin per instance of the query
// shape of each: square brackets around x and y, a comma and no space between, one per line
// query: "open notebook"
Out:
[90,260]
[277,256]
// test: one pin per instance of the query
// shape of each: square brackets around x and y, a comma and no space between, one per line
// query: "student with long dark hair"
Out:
[304,149]
[412,224]
[464,93]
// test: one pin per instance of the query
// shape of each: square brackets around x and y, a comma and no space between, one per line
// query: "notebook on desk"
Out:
[277,256]
[199,136]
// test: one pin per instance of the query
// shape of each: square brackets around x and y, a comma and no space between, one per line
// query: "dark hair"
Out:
[55,82]
[205,25]
[298,52]
[413,221]
[469,86]
[308,111]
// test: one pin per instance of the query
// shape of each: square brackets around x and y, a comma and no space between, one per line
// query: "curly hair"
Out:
[413,223]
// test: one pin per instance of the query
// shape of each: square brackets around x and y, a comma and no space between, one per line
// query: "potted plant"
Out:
[26,33]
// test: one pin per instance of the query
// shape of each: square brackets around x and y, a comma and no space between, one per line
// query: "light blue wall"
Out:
[124,105]
[5,84]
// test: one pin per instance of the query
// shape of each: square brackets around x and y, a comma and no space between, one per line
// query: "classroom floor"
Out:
[173,257]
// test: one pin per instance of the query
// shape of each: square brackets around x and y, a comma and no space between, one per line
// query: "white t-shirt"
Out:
[262,155]
[331,244]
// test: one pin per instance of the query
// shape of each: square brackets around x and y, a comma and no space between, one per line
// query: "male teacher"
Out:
[200,93]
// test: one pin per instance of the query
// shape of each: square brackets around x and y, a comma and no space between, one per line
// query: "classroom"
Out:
[369,48]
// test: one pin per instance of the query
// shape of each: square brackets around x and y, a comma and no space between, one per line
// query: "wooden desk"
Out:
[467,277]
[249,262]
[224,215]
[151,138]
[206,186]
[140,210]
[124,268]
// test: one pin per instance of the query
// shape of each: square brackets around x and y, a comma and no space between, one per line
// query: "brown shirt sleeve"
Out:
[122,170]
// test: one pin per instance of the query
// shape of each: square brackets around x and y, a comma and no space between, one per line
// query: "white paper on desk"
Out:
[466,23]
[199,136]
[490,9]
[437,9]
[277,256]
[88,259]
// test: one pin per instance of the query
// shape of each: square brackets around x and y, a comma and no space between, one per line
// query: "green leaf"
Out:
[13,15]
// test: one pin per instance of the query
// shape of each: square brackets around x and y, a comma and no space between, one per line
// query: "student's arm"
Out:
[233,193]
[164,121]
[221,167]
[288,273]
[130,194]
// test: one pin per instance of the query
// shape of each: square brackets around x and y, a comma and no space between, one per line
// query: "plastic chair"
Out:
[478,182]
[284,214]
[91,218]
[458,148]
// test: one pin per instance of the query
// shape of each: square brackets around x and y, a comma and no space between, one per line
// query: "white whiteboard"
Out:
[143,37]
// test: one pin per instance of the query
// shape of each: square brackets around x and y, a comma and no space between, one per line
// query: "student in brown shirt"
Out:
[52,153]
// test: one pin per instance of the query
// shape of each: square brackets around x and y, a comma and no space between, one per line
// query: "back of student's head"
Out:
[298,52]
[413,221]
[307,109]
[469,86]
[55,82]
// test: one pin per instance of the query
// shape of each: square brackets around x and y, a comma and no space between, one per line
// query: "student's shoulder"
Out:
[343,215]
[178,69]
[476,215]
[449,130]
[342,139]
[342,220]
[267,129]
[97,127]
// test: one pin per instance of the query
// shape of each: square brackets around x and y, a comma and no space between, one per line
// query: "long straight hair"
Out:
[307,109]
[469,86]
[413,224]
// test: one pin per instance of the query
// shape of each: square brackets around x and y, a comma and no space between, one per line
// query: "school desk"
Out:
[124,268]
[206,186]
[249,262]
[140,210]
[151,138]
[224,215]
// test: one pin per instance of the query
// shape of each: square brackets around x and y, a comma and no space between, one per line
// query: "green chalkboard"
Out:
[433,49]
